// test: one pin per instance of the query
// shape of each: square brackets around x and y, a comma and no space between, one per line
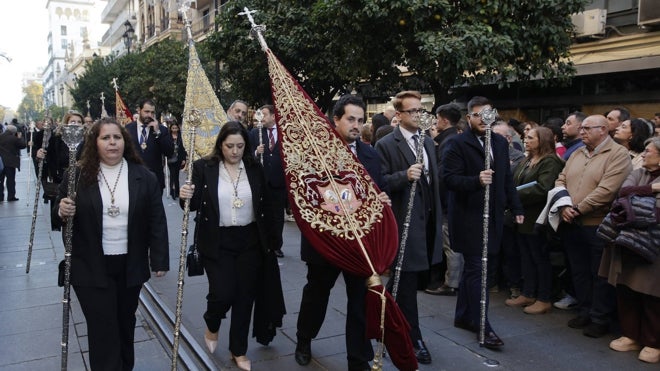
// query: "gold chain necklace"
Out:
[113,210]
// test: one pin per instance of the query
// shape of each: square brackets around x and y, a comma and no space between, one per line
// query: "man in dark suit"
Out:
[400,169]
[270,154]
[152,139]
[11,143]
[465,177]
[348,117]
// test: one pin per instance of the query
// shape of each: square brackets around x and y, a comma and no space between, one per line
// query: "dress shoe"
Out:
[650,355]
[421,353]
[443,290]
[465,325]
[539,307]
[624,344]
[279,253]
[12,199]
[303,351]
[520,301]
[596,330]
[492,341]
[211,340]
[579,322]
[242,362]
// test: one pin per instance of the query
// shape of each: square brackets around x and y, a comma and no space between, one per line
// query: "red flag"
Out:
[122,113]
[335,203]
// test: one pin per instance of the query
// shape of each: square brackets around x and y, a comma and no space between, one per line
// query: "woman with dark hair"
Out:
[234,237]
[533,178]
[637,280]
[177,161]
[119,230]
[632,134]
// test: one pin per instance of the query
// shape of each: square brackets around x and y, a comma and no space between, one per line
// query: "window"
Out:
[83,32]
[63,30]
[64,43]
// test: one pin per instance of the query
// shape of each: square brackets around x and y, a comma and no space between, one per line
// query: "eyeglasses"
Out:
[474,114]
[587,128]
[415,111]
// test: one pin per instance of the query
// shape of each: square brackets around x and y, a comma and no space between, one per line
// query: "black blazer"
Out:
[463,160]
[156,149]
[148,243]
[205,198]
[272,159]
[368,157]
[396,158]
[10,149]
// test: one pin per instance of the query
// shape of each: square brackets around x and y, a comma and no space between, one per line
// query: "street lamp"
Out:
[128,35]
[62,95]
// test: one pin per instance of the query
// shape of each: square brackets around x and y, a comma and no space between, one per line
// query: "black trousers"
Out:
[278,205]
[639,315]
[110,316]
[314,303]
[233,278]
[468,299]
[8,173]
[407,300]
[174,178]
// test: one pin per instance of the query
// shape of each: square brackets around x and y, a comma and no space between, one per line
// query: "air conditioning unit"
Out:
[648,12]
[590,23]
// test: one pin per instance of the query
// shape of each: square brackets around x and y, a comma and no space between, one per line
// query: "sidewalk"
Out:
[31,312]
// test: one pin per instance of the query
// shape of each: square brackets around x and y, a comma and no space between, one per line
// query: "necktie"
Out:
[415,138]
[353,149]
[144,134]
[271,139]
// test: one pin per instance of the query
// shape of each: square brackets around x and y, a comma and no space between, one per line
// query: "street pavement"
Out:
[31,315]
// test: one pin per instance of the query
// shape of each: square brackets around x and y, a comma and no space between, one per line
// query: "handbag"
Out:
[194,259]
[194,262]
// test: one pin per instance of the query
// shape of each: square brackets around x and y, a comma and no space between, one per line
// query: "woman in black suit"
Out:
[178,159]
[234,236]
[119,230]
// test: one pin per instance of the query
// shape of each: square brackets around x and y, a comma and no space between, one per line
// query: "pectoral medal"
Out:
[143,145]
[113,211]
[238,203]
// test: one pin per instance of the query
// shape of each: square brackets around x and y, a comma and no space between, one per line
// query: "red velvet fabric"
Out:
[302,127]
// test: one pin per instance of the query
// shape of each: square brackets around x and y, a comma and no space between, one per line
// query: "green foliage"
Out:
[158,73]
[334,45]
[32,104]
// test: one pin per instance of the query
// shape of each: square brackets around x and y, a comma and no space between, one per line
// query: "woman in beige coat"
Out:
[637,281]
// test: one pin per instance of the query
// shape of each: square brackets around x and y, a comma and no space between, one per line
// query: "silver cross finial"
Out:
[256,29]
[114,83]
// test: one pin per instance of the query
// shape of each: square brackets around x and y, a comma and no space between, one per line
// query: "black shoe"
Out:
[442,291]
[458,323]
[595,330]
[579,322]
[492,341]
[303,352]
[279,253]
[12,199]
[421,353]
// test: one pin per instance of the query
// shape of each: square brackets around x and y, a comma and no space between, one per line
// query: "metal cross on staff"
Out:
[114,83]
[257,29]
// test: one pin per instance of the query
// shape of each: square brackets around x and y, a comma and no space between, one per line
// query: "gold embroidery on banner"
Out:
[325,179]
[200,96]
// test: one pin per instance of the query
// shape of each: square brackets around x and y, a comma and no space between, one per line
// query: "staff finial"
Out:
[256,29]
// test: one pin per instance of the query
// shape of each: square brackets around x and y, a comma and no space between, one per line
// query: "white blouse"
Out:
[115,228]
[234,211]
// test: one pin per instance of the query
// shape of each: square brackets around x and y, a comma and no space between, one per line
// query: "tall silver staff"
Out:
[72,135]
[194,120]
[44,146]
[27,200]
[259,116]
[424,122]
[488,116]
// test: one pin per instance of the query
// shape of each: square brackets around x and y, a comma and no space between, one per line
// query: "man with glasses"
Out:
[592,176]
[400,168]
[466,179]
